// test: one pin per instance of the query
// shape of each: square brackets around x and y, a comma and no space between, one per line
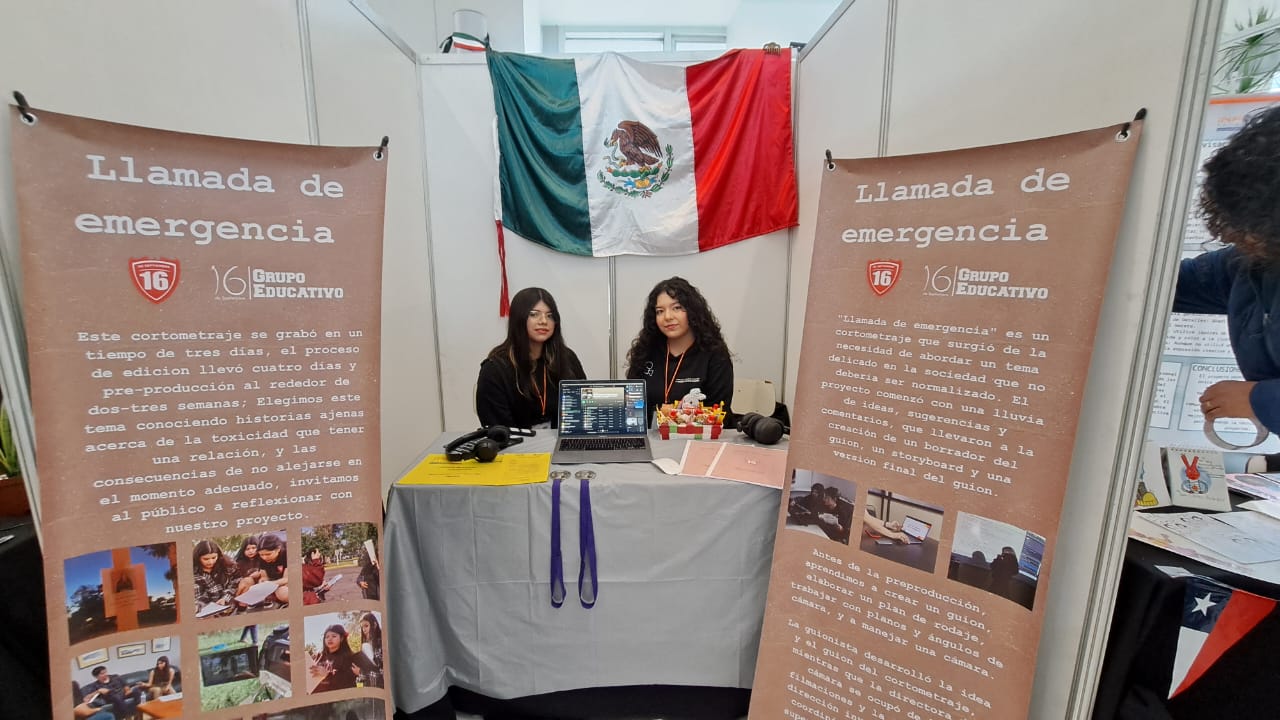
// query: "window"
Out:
[632,40]
[691,42]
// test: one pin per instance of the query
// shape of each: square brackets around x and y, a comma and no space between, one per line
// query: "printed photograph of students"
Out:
[901,528]
[340,562]
[122,589]
[110,683]
[344,650]
[228,571]
[821,505]
[995,556]
[236,669]
[354,709]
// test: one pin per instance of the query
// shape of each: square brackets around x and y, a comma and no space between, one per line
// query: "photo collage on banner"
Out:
[953,301]
[203,320]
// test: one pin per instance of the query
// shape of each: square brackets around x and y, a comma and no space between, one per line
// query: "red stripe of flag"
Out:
[744,166]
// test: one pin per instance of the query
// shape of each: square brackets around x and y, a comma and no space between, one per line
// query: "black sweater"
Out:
[712,373]
[499,401]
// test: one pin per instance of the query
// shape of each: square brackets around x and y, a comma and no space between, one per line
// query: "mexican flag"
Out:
[604,155]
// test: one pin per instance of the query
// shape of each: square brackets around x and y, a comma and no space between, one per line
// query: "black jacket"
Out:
[500,402]
[1224,282]
[712,373]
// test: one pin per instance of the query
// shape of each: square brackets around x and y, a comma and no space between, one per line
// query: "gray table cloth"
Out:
[683,568]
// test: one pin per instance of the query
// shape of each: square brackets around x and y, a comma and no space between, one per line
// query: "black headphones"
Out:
[483,445]
[762,429]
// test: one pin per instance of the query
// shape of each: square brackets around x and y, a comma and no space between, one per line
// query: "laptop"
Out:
[602,421]
[915,529]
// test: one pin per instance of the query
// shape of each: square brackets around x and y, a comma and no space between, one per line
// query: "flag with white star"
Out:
[1214,617]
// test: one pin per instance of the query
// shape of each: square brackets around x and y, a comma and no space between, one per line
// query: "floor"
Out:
[636,702]
[467,716]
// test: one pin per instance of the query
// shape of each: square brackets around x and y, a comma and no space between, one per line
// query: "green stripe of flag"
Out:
[542,171]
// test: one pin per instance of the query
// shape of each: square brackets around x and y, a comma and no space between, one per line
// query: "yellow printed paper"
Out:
[512,469]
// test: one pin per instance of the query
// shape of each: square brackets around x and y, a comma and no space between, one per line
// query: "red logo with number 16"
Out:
[155,278]
[883,274]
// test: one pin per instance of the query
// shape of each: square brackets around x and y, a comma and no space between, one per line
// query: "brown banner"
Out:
[952,307]
[202,320]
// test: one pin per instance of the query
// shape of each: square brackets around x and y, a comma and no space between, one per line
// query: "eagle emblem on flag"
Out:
[635,165]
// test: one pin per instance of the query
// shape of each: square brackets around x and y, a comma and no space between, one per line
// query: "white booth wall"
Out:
[940,76]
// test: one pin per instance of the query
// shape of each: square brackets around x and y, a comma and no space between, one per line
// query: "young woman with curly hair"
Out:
[520,378]
[680,347]
[1240,200]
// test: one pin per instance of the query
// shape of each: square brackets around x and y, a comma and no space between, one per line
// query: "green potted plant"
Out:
[13,492]
[1248,62]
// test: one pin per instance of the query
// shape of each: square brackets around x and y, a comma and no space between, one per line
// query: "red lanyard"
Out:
[666,394]
[542,396]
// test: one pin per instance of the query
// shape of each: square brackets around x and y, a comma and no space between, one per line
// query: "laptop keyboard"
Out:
[604,443]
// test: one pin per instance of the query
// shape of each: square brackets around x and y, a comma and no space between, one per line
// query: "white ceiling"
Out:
[657,13]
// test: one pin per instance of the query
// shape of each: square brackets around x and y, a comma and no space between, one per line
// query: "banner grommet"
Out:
[24,110]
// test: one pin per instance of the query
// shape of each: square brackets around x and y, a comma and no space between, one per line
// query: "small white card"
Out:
[1260,485]
[1213,532]
[1174,571]
[212,609]
[1266,507]
[669,466]
[257,593]
[1196,478]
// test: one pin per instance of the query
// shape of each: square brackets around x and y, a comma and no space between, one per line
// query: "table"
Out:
[1144,633]
[24,644]
[683,574]
[161,708]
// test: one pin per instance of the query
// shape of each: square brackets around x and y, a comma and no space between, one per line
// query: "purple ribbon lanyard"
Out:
[557,562]
[586,544]
[587,587]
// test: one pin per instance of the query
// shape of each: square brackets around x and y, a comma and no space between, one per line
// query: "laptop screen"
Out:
[1032,555]
[602,407]
[915,527]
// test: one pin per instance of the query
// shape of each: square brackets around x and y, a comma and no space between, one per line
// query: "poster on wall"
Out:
[202,319]
[952,308]
[1197,350]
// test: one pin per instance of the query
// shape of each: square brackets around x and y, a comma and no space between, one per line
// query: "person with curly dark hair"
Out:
[680,347]
[1240,201]
[247,556]
[273,557]
[520,378]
